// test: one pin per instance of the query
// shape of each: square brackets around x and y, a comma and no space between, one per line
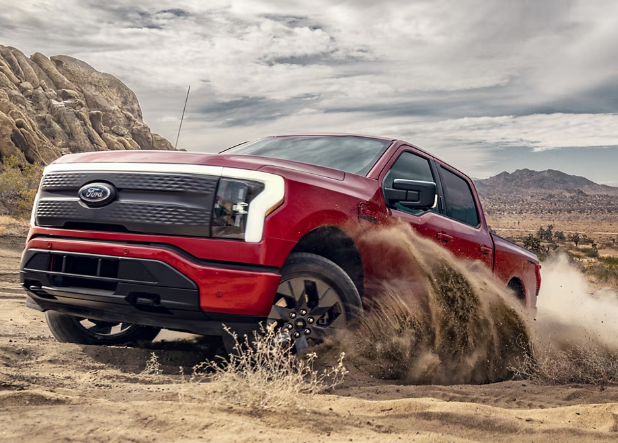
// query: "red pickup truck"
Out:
[125,243]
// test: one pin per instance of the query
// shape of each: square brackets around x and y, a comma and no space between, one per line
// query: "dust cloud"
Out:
[571,312]
[434,319]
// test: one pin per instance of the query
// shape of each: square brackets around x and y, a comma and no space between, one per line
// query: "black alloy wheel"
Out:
[71,329]
[314,299]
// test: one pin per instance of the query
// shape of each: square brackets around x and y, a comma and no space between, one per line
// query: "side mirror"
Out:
[413,194]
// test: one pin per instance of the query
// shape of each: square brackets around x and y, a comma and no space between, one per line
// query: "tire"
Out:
[71,329]
[314,295]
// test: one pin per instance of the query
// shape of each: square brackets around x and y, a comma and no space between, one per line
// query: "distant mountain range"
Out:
[549,194]
[531,181]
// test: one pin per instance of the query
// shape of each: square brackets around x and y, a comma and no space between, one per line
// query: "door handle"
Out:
[486,250]
[444,237]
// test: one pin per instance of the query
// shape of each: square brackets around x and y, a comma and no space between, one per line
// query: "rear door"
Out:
[471,237]
[410,164]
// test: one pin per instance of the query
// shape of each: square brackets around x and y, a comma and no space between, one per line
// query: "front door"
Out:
[430,223]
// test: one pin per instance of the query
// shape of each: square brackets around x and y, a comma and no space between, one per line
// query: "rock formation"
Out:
[51,107]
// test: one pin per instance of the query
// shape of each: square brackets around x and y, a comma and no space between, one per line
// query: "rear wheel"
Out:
[71,329]
[315,298]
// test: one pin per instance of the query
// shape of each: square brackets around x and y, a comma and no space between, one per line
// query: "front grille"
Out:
[83,265]
[152,203]
[132,180]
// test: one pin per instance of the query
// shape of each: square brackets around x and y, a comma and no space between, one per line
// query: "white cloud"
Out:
[461,78]
[540,131]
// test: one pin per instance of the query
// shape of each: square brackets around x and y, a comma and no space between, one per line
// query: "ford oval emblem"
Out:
[97,194]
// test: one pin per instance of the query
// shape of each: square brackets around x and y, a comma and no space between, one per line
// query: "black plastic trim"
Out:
[139,295]
[196,322]
[159,273]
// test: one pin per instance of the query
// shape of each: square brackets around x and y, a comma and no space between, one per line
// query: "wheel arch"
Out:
[334,244]
[516,285]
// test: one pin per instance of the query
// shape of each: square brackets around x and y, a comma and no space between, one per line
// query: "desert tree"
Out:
[549,233]
[575,239]
[532,243]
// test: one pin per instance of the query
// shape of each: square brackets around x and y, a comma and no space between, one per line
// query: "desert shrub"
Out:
[153,367]
[590,252]
[263,373]
[613,260]
[574,255]
[604,272]
[590,364]
[19,182]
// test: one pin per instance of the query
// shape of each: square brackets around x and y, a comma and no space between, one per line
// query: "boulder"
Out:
[26,88]
[17,98]
[7,146]
[71,124]
[125,143]
[161,143]
[119,130]
[133,144]
[112,142]
[60,81]
[96,120]
[98,83]
[68,94]
[50,107]
[44,81]
[5,82]
[142,135]
[29,74]
[8,56]
[4,68]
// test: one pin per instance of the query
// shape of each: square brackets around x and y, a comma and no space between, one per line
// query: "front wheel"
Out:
[315,298]
[71,329]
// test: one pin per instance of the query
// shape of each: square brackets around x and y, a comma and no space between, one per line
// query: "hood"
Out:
[252,163]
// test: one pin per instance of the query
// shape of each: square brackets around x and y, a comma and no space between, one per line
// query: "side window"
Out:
[409,166]
[459,199]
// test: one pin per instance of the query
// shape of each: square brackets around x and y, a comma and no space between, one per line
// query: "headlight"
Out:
[231,207]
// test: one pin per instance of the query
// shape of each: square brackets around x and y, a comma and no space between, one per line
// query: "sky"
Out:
[485,85]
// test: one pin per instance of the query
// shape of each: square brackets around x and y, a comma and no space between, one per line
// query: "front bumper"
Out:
[149,285]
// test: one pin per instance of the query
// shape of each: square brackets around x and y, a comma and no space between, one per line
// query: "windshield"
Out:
[356,155]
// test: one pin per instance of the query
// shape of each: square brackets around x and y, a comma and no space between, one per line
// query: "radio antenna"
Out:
[182,118]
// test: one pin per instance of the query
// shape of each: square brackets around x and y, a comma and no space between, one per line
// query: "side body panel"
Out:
[515,262]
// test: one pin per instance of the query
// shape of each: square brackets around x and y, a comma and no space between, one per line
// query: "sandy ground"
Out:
[598,227]
[53,392]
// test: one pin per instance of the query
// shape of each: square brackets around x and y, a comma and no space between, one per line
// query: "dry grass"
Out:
[7,220]
[263,373]
[153,367]
[19,183]
[590,364]
[14,226]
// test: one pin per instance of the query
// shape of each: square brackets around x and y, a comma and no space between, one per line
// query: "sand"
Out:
[54,392]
